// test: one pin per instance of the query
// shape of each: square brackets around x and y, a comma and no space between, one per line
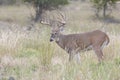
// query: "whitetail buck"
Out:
[73,44]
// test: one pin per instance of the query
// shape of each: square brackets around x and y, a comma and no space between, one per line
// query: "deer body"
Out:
[75,43]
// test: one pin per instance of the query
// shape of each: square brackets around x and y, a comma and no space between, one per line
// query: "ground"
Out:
[27,54]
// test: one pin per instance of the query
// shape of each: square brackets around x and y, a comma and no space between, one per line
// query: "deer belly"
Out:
[86,48]
[89,48]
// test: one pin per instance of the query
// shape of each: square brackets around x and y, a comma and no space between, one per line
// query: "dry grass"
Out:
[30,55]
[17,14]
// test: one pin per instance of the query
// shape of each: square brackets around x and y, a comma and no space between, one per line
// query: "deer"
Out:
[73,44]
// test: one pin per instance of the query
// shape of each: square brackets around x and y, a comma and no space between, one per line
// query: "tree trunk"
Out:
[38,14]
[104,9]
[97,12]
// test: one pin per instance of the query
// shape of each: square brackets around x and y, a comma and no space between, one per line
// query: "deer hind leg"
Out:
[99,53]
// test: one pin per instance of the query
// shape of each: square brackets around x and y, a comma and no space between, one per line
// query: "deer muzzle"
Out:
[52,37]
[51,40]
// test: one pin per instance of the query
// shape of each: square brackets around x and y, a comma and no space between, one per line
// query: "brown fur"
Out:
[74,43]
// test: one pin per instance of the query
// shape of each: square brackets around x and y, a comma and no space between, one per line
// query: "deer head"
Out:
[55,34]
[57,24]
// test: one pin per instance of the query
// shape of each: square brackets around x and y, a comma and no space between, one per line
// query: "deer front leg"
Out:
[71,55]
[70,52]
[74,55]
[77,57]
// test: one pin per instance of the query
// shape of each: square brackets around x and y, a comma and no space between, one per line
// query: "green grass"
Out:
[32,57]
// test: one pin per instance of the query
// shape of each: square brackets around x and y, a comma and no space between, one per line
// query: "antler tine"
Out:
[63,16]
[42,22]
[45,19]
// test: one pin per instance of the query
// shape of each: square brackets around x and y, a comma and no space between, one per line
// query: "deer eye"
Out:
[55,33]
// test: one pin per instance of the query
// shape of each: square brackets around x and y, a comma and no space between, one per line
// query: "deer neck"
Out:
[60,41]
[58,38]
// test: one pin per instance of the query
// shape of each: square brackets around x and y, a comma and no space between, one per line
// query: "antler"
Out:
[45,19]
[55,20]
[63,17]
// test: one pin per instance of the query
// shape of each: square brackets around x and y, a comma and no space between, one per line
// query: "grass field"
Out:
[28,55]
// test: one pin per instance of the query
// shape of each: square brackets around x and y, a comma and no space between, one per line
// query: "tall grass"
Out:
[30,55]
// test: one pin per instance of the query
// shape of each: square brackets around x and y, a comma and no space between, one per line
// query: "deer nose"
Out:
[64,24]
[51,39]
